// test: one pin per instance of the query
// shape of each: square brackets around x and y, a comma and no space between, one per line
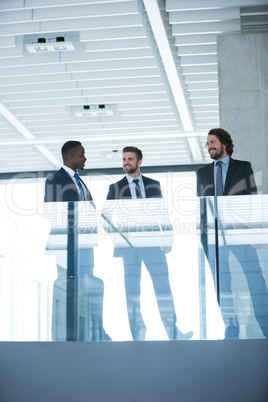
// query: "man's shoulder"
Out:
[149,180]
[239,162]
[119,182]
[205,168]
[59,175]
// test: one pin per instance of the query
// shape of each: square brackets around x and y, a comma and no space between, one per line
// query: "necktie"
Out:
[219,190]
[137,188]
[80,187]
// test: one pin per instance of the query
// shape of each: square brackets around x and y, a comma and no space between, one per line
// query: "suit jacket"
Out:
[121,190]
[239,180]
[60,187]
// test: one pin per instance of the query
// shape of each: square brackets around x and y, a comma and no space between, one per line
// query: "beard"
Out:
[217,155]
[131,170]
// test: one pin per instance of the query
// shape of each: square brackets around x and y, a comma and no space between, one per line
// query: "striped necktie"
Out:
[137,188]
[80,187]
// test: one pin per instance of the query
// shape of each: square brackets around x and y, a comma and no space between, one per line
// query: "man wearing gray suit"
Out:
[236,178]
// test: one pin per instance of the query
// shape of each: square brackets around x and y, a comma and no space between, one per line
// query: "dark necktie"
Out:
[219,190]
[137,188]
[81,190]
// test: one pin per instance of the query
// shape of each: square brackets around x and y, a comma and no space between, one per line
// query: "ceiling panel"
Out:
[147,69]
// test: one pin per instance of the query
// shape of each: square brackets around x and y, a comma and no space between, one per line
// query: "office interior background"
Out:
[153,74]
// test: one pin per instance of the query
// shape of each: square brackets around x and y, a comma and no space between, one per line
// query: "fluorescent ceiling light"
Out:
[94,111]
[60,46]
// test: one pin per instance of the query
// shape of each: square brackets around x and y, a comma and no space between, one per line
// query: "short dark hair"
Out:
[224,137]
[67,148]
[137,151]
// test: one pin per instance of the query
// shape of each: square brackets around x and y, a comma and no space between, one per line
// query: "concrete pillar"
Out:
[243,98]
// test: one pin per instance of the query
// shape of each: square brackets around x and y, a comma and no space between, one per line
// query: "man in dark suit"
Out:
[63,186]
[133,186]
[236,178]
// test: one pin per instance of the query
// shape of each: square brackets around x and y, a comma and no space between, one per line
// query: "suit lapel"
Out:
[70,181]
[210,178]
[230,172]
[124,188]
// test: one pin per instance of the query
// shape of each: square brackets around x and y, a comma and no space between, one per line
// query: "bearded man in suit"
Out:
[237,178]
[134,185]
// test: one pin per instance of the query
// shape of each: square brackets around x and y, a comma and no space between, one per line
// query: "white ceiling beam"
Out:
[86,77]
[133,20]
[205,93]
[201,69]
[65,3]
[195,149]
[32,28]
[80,92]
[211,77]
[15,122]
[72,57]
[186,40]
[202,86]
[65,86]
[91,11]
[207,115]
[197,50]
[162,42]
[99,139]
[206,27]
[12,52]
[198,60]
[112,65]
[179,17]
[11,5]
[203,109]
[88,100]
[34,80]
[138,130]
[182,5]
[78,68]
[205,102]
[7,42]
[118,46]
[110,34]
[101,125]
[13,17]
[49,156]
[40,112]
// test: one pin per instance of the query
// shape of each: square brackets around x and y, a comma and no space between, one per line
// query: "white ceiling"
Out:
[152,63]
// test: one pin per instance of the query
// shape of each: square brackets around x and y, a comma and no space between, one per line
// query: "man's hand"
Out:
[166,249]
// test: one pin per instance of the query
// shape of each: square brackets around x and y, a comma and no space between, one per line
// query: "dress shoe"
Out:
[180,336]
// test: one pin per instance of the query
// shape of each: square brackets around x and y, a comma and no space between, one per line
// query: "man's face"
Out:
[216,149]
[130,162]
[78,158]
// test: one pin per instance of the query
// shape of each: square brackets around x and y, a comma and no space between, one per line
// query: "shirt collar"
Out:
[130,179]
[225,160]
[69,170]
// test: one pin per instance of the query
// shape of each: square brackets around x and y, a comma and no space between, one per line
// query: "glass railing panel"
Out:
[62,274]
[243,258]
[211,322]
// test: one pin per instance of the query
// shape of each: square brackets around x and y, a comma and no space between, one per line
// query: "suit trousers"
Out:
[155,261]
[247,257]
